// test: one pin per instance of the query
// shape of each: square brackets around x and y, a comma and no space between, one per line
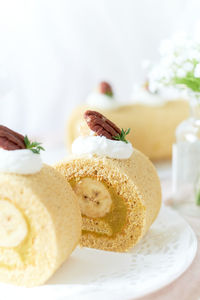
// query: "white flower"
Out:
[178,57]
[197,71]
[188,66]
[179,60]
[181,73]
[194,54]
[168,61]
[168,74]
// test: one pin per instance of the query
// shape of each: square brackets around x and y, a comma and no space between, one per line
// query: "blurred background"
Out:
[53,53]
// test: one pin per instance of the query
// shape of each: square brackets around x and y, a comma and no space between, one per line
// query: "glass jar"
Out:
[186,162]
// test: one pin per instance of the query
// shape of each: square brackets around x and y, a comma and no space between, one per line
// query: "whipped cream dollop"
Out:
[101,101]
[22,161]
[142,96]
[101,146]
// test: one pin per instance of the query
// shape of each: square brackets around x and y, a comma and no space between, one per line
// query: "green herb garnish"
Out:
[190,81]
[109,93]
[33,146]
[122,135]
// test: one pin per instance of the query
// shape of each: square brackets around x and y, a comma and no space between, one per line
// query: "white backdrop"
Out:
[52,53]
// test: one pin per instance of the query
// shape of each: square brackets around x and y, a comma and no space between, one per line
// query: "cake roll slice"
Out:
[40,219]
[117,186]
[153,118]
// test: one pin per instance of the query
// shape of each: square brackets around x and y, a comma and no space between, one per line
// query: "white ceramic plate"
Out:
[162,255]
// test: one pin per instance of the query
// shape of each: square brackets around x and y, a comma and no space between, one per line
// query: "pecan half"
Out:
[101,125]
[105,88]
[11,140]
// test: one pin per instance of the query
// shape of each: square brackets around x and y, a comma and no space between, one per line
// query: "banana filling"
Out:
[101,202]
[94,198]
[16,237]
[13,227]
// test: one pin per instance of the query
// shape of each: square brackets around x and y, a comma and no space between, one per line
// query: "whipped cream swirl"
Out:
[101,101]
[22,161]
[101,146]
[164,95]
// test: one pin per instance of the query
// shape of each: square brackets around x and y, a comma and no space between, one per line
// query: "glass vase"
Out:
[186,163]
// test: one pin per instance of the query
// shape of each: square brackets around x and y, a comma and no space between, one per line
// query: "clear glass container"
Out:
[186,162]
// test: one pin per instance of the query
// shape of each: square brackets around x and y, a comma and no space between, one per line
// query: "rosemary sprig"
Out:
[33,146]
[122,135]
[109,93]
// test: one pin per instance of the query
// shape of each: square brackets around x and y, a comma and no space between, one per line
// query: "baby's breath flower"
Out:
[188,66]
[179,65]
[181,73]
[197,71]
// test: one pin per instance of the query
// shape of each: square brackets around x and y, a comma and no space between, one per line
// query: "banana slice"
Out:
[94,199]
[13,227]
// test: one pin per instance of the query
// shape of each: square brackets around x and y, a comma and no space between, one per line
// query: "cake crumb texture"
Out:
[135,180]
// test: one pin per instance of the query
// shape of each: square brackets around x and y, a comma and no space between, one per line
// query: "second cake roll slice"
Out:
[117,186]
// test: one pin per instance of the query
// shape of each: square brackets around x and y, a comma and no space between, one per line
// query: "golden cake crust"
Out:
[135,180]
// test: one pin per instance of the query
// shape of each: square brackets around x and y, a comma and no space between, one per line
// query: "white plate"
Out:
[162,255]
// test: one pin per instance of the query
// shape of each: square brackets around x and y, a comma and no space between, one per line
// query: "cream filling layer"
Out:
[13,227]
